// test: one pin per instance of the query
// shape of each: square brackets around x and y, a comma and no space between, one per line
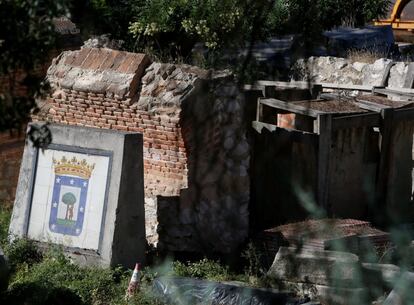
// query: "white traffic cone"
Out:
[134,282]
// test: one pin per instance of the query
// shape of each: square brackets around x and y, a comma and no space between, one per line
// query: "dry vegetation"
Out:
[365,56]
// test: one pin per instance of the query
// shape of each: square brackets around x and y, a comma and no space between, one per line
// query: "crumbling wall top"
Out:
[99,70]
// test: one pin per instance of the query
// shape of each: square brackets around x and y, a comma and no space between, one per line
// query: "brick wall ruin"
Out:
[11,151]
[196,153]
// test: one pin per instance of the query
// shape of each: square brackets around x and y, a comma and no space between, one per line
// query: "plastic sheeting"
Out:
[190,291]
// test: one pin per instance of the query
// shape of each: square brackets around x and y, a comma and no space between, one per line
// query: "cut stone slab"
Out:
[327,268]
[99,70]
[388,272]
[403,292]
[373,74]
[84,192]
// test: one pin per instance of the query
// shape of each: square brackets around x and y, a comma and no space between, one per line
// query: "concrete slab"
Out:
[84,192]
[329,268]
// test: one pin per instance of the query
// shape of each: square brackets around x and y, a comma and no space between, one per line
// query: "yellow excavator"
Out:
[403,29]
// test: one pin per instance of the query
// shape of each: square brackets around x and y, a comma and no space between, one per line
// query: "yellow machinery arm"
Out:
[398,8]
[395,19]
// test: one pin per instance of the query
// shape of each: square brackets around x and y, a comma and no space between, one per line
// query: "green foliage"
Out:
[216,23]
[26,38]
[204,269]
[91,285]
[5,215]
[254,261]
[56,277]
[173,27]
[351,13]
[22,251]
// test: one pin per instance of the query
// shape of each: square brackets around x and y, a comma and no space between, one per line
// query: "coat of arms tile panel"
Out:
[68,198]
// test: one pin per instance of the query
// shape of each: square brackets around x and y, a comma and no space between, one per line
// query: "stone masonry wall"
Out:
[195,149]
[344,71]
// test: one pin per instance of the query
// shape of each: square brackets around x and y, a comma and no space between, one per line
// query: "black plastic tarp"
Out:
[190,291]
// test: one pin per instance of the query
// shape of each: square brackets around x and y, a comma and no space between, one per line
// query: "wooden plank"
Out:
[387,116]
[253,88]
[308,85]
[293,134]
[275,103]
[259,111]
[346,87]
[402,90]
[388,91]
[373,108]
[368,105]
[293,84]
[324,157]
[356,121]
[404,114]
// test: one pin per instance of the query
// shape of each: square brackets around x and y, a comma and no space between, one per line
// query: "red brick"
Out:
[119,58]
[103,125]
[109,117]
[109,60]
[131,124]
[94,59]
[135,129]
[120,127]
[80,58]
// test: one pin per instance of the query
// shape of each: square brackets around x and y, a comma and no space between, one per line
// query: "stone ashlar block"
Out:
[329,268]
[106,224]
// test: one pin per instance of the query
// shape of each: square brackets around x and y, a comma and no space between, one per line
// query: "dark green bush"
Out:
[22,251]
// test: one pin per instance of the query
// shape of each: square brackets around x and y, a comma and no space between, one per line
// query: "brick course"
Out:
[162,156]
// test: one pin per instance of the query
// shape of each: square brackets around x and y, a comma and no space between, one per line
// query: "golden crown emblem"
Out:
[73,167]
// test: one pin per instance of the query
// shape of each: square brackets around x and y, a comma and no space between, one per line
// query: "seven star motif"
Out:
[55,204]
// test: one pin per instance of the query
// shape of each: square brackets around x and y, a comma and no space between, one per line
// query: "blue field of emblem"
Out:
[67,212]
